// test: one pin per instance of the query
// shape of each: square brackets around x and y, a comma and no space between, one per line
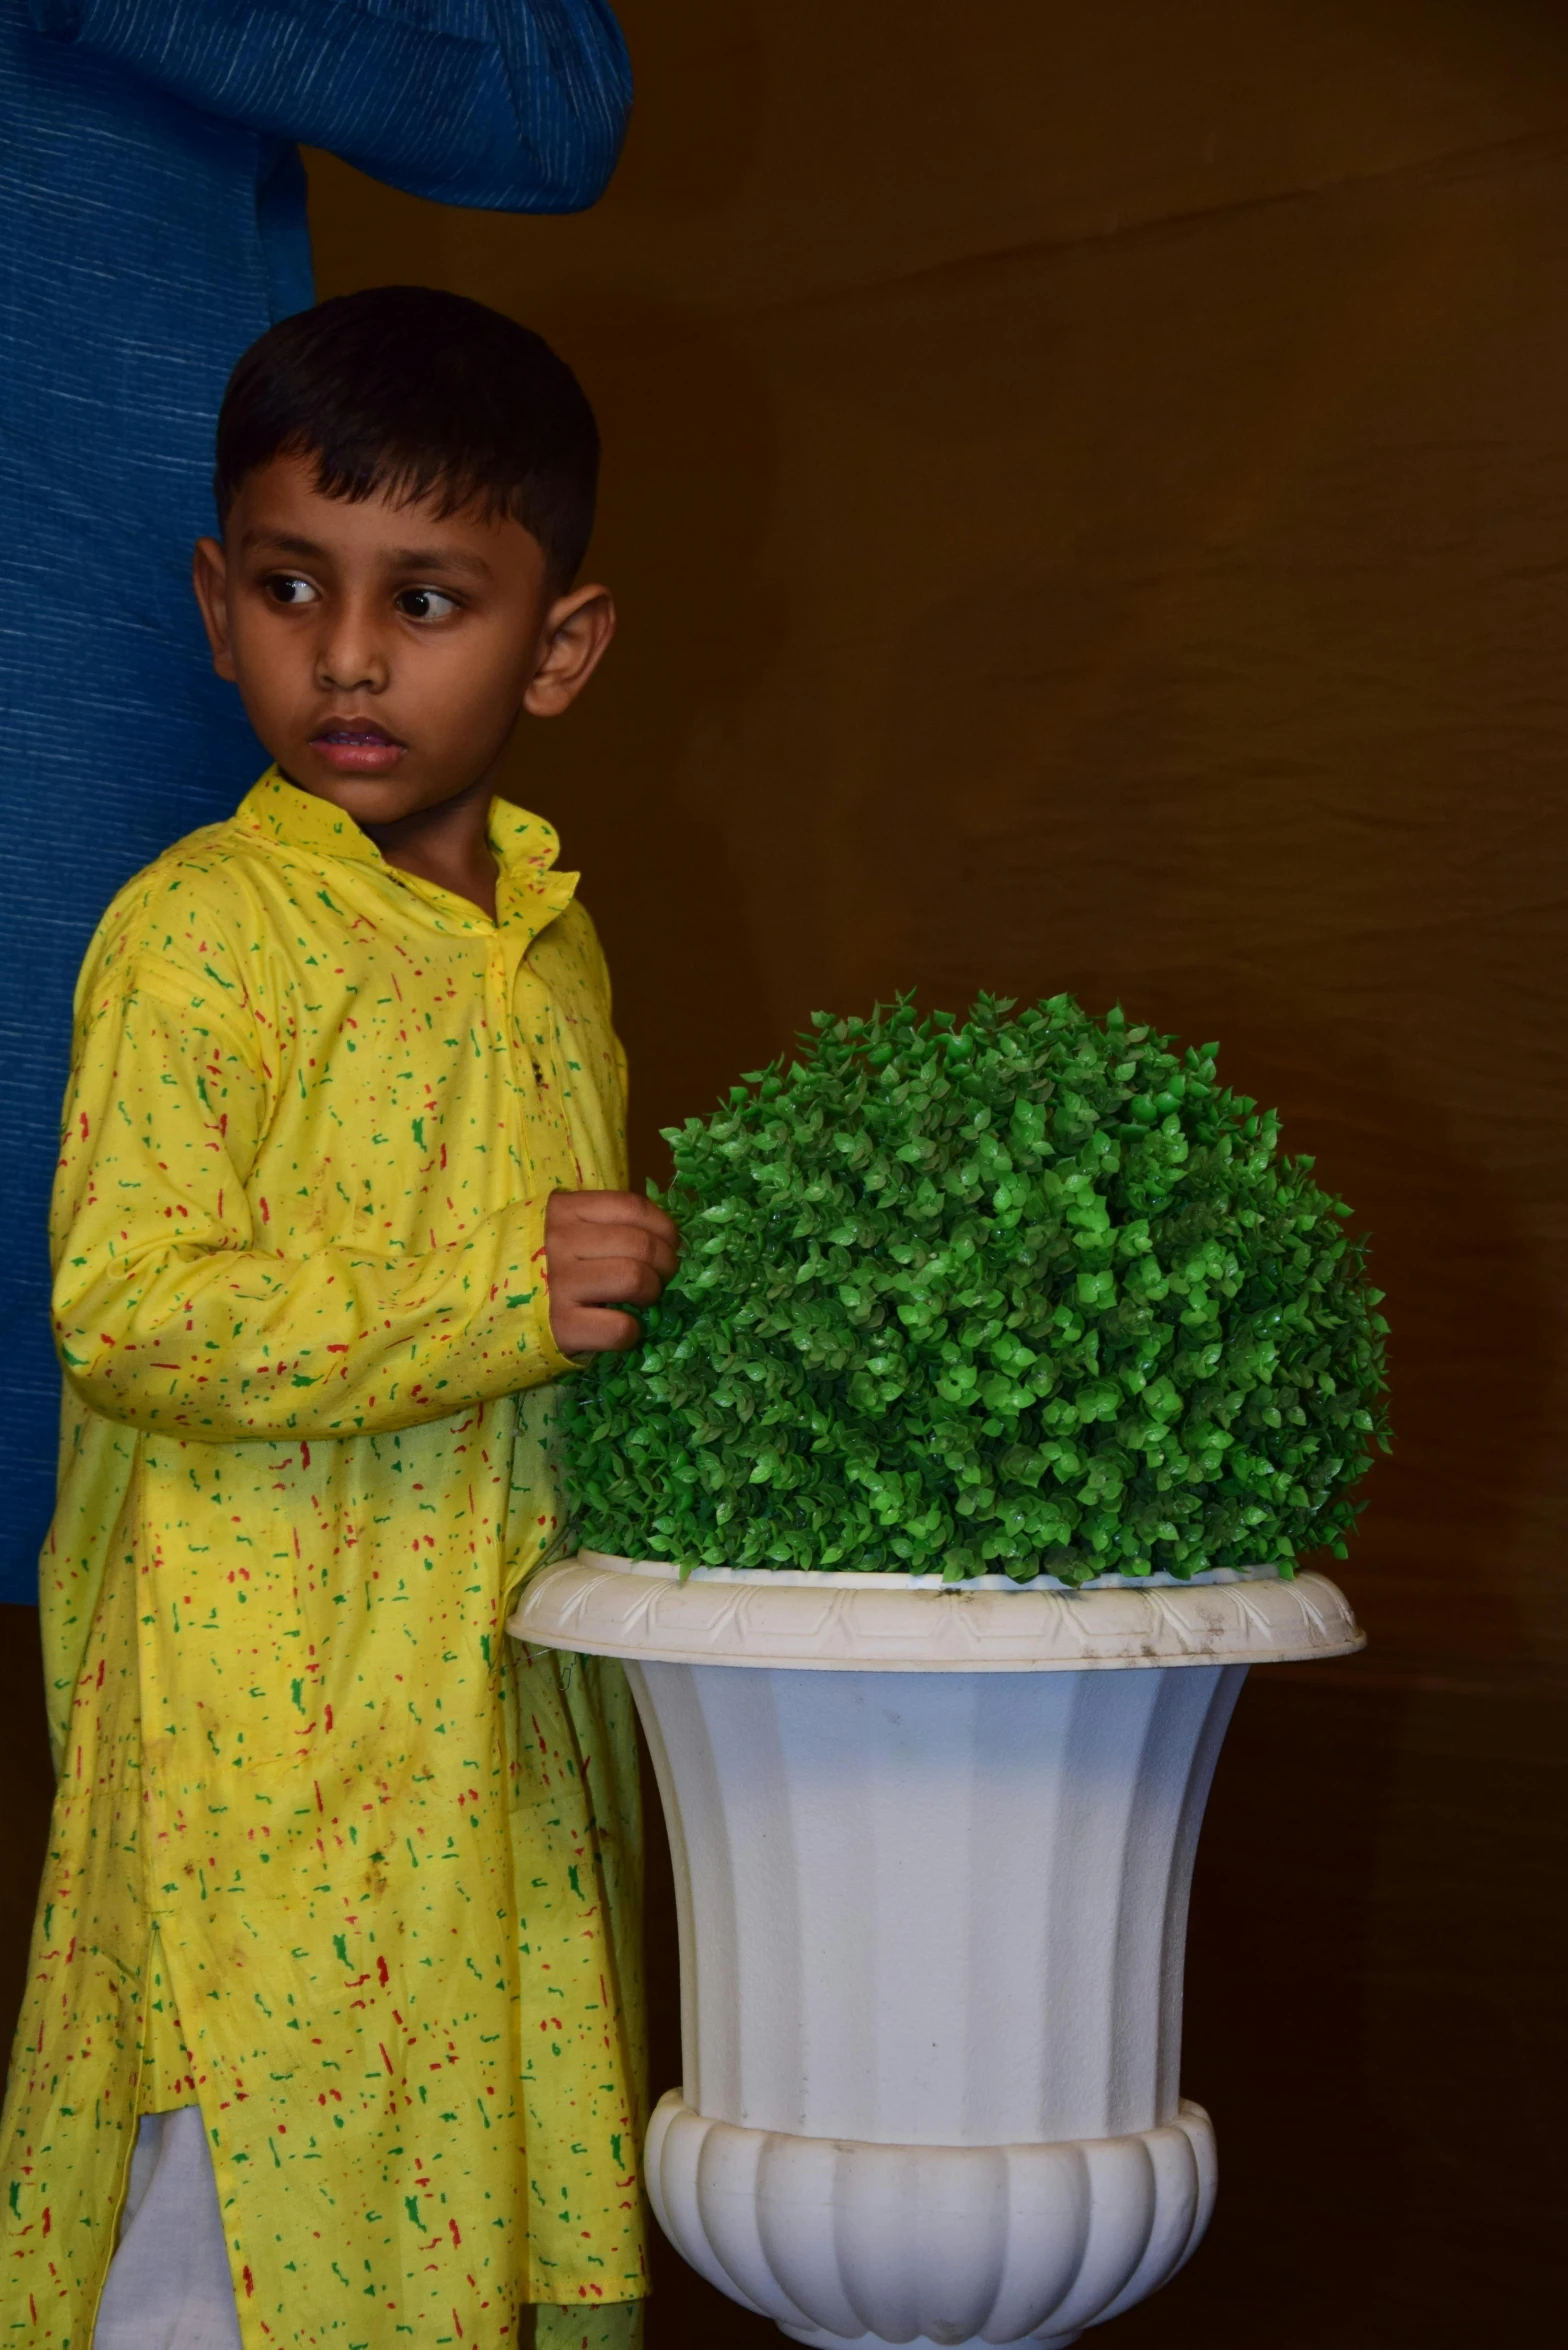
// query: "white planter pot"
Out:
[932,1853]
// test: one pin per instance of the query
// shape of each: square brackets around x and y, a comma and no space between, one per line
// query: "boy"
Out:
[337,1933]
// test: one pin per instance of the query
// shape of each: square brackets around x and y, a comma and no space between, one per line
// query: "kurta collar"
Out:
[531,892]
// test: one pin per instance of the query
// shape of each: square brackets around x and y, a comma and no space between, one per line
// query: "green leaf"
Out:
[1031,1275]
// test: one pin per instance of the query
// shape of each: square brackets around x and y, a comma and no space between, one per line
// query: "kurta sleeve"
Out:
[172,1313]
[516,105]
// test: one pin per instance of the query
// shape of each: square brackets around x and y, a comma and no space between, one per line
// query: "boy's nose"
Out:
[351,661]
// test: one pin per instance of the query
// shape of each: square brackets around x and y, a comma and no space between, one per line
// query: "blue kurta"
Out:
[152,224]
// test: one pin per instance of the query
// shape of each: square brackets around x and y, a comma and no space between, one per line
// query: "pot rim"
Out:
[644,1611]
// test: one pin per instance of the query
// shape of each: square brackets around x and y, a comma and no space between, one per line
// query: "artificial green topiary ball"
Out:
[1024,1295]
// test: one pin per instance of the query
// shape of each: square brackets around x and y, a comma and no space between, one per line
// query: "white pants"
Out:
[169,2287]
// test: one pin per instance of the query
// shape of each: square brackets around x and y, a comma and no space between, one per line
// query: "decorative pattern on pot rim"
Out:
[617,1607]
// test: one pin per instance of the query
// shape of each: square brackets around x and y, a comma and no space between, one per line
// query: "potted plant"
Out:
[961,1474]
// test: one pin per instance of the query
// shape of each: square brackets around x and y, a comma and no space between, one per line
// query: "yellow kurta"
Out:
[330,1856]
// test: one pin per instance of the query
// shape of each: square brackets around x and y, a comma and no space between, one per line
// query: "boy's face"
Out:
[384,656]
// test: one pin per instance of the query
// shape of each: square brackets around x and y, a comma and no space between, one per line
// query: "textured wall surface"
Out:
[1087,491]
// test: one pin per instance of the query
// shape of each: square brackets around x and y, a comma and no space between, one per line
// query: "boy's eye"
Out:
[424,604]
[284,588]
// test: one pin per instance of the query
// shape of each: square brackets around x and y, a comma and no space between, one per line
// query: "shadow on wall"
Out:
[1344,2029]
[638,774]
[27,1775]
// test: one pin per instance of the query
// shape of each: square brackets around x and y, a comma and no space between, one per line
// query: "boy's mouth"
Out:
[357,746]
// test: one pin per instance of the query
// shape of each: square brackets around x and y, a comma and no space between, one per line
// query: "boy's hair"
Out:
[405,391]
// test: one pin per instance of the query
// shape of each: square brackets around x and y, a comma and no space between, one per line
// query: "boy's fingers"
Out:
[619,1207]
[578,1208]
[619,1241]
[605,1281]
[604,1249]
[591,1330]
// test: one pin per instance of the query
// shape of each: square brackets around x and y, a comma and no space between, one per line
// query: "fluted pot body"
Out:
[932,1882]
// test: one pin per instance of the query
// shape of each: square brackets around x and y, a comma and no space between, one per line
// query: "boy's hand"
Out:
[604,1249]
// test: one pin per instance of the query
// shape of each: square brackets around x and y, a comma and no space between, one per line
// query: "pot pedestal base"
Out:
[847,2244]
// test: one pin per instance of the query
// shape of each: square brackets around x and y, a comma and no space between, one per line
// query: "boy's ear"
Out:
[577,629]
[210,579]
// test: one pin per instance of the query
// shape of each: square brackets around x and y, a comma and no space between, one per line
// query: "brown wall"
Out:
[1089,508]
[1087,491]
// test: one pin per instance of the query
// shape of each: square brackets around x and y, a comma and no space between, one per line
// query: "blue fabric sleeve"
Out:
[517,105]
